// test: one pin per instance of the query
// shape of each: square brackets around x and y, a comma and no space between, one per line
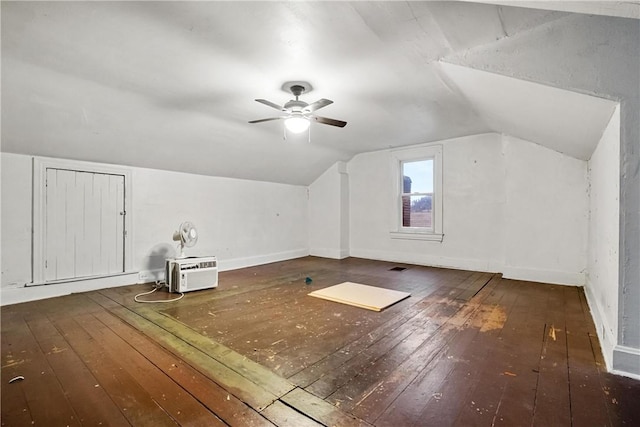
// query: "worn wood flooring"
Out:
[466,349]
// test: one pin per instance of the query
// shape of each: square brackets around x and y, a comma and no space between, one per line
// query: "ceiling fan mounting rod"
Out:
[297,90]
[297,87]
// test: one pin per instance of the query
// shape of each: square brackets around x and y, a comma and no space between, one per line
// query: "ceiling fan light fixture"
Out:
[297,114]
[297,124]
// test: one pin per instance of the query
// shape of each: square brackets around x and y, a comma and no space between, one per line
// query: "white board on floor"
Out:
[359,295]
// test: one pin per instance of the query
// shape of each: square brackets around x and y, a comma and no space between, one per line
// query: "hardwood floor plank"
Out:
[384,394]
[552,404]
[472,392]
[90,401]
[472,287]
[330,327]
[250,370]
[301,324]
[40,395]
[460,351]
[516,357]
[135,403]
[343,355]
[589,396]
[362,372]
[282,415]
[226,406]
[180,405]
[241,387]
[437,395]
[319,410]
[14,408]
[588,400]
[429,296]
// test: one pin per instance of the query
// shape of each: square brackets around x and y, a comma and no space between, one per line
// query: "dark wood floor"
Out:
[466,349]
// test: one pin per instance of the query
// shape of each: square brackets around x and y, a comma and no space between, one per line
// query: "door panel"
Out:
[84,233]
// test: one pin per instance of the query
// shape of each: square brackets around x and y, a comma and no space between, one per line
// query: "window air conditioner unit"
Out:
[191,274]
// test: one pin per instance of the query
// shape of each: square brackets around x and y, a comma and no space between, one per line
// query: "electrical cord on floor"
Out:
[158,285]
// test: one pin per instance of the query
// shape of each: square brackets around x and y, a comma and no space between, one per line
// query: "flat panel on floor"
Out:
[358,295]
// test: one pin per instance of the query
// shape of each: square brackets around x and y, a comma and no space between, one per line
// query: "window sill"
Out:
[415,235]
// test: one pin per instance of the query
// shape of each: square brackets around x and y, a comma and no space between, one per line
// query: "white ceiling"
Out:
[565,121]
[171,85]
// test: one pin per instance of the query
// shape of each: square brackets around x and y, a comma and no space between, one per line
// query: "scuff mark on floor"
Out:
[552,332]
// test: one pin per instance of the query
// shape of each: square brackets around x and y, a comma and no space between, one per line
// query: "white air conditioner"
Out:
[191,274]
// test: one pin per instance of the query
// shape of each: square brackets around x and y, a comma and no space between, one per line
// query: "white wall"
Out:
[546,214]
[603,248]
[16,219]
[241,222]
[504,210]
[329,213]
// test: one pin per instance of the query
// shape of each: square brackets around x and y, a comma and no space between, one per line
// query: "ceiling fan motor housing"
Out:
[295,106]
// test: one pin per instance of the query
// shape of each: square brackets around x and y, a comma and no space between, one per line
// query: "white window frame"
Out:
[40,166]
[398,157]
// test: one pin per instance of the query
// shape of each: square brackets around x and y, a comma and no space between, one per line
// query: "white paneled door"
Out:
[85,224]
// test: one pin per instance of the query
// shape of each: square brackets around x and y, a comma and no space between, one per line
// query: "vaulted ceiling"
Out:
[171,85]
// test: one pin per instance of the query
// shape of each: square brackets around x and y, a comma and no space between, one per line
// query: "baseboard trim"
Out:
[10,296]
[427,260]
[237,263]
[329,253]
[146,276]
[604,331]
[545,276]
[16,295]
[626,361]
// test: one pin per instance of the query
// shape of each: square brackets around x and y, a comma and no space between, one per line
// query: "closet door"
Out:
[84,226]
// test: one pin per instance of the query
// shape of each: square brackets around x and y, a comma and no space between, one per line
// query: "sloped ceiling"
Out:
[171,85]
[565,121]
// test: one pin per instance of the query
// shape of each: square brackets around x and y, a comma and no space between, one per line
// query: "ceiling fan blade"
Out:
[317,105]
[266,120]
[271,104]
[332,122]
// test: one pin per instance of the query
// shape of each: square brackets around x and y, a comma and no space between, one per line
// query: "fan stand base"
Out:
[182,255]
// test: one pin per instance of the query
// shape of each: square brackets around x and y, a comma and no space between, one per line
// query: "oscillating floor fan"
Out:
[187,236]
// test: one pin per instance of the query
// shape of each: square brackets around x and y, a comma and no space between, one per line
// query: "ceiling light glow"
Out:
[296,124]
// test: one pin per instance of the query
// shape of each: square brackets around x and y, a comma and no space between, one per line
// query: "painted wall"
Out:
[603,244]
[241,222]
[546,214]
[501,210]
[595,55]
[16,219]
[329,213]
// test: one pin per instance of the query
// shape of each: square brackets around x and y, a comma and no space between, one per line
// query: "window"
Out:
[417,188]
[417,194]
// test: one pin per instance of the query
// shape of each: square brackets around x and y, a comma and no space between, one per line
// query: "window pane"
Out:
[418,176]
[416,211]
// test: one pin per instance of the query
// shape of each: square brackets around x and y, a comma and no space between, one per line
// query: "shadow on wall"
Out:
[154,262]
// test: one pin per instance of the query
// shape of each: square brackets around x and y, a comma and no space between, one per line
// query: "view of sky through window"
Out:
[421,174]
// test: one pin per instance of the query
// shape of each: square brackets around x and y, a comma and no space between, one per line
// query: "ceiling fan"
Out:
[298,114]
